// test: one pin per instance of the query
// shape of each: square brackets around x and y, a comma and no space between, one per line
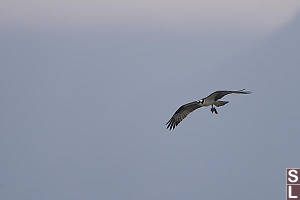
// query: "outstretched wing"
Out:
[220,94]
[181,113]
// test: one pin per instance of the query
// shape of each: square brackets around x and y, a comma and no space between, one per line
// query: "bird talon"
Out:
[214,110]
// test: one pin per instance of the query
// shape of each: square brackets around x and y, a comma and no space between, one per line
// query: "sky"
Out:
[84,100]
[260,15]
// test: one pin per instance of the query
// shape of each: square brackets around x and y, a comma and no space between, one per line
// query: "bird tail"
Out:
[220,103]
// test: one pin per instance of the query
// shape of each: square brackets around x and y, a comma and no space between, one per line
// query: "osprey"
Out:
[211,100]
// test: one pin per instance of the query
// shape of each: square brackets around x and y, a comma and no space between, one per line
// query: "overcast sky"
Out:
[87,87]
[261,15]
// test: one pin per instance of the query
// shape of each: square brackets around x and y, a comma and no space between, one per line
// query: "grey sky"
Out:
[83,113]
[260,15]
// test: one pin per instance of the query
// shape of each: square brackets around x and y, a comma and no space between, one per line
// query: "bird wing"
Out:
[220,94]
[181,113]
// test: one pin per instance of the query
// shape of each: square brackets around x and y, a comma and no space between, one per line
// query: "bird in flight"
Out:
[211,100]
